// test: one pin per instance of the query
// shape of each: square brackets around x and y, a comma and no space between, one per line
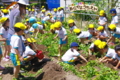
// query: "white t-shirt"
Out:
[16,43]
[91,46]
[84,34]
[31,29]
[61,13]
[40,27]
[114,20]
[69,55]
[28,51]
[110,53]
[102,20]
[42,16]
[3,32]
[116,57]
[104,34]
[46,18]
[62,33]
[74,27]
[117,30]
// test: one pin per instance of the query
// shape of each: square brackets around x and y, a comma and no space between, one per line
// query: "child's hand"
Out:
[115,68]
[21,59]
[63,39]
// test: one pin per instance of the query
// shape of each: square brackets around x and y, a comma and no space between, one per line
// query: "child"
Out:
[94,47]
[115,32]
[102,34]
[61,14]
[109,54]
[5,13]
[62,34]
[91,29]
[72,54]
[17,47]
[116,58]
[72,25]
[52,29]
[101,47]
[82,35]
[42,14]
[3,34]
[102,18]
[114,16]
[29,53]
[32,20]
[54,13]
[47,18]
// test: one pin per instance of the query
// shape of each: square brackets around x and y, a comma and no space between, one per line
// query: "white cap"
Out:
[24,2]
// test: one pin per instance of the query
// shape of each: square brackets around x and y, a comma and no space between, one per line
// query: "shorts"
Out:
[14,59]
[116,35]
[62,42]
[62,19]
[0,51]
[8,42]
[8,38]
[69,62]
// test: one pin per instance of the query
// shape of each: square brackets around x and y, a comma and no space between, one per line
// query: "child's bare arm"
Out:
[65,37]
[118,64]
[109,40]
[103,59]
[83,58]
[56,36]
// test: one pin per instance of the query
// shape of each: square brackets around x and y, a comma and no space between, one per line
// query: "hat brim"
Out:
[23,4]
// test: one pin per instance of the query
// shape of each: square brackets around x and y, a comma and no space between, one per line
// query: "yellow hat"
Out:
[52,27]
[91,25]
[5,11]
[101,14]
[31,40]
[97,42]
[58,8]
[26,7]
[43,10]
[39,23]
[20,26]
[102,11]
[58,24]
[102,45]
[2,7]
[27,20]
[49,14]
[33,9]
[70,21]
[55,10]
[3,19]
[29,9]
[43,6]
[112,26]
[100,28]
[76,30]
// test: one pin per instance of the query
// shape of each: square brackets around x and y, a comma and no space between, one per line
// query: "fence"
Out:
[83,19]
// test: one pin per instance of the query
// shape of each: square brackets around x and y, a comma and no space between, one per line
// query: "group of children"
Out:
[21,49]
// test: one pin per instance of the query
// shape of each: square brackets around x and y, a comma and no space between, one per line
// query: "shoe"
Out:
[5,59]
[2,68]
